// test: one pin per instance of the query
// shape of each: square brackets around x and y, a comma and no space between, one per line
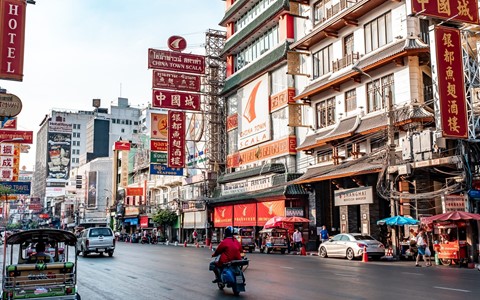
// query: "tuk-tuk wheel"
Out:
[78,297]
[446,261]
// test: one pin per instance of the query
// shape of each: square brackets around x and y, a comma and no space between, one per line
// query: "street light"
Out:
[391,146]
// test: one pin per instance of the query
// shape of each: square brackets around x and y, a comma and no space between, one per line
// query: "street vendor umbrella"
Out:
[452,216]
[296,220]
[397,220]
[274,222]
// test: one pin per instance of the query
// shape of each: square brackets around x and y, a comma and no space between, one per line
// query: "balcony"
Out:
[336,8]
[345,61]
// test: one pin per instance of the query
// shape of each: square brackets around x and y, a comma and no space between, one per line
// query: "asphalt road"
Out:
[139,271]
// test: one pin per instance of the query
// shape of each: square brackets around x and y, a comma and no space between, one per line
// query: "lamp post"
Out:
[391,149]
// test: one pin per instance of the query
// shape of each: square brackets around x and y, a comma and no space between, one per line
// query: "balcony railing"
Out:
[334,9]
[347,60]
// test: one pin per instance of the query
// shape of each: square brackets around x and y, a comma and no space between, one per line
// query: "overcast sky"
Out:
[78,50]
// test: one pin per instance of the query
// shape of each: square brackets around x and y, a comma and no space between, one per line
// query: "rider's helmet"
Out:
[229,231]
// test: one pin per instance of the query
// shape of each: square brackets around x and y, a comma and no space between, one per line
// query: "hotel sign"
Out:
[456,10]
[176,61]
[355,196]
[12,32]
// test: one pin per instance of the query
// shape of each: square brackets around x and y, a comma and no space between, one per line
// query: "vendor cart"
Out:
[450,245]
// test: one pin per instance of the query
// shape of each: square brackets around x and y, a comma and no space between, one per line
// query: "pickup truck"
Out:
[96,240]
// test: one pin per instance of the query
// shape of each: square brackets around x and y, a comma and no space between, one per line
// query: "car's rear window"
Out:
[363,237]
[100,231]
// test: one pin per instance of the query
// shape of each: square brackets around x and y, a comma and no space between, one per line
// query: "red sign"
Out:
[245,215]
[122,146]
[12,32]
[158,145]
[176,61]
[143,221]
[176,100]
[268,210]
[177,43]
[176,139]
[134,191]
[16,136]
[456,10]
[223,216]
[232,122]
[176,81]
[44,216]
[451,87]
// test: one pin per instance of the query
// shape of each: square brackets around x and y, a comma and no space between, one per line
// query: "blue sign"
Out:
[475,194]
[159,169]
[16,187]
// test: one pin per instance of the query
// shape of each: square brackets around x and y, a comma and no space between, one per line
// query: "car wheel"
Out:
[350,254]
[110,254]
[322,252]
[446,261]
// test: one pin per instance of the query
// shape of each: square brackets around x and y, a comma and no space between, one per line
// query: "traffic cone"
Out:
[303,251]
[210,246]
[196,245]
[365,255]
[185,244]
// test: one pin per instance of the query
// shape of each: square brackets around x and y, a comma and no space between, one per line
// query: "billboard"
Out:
[12,35]
[92,189]
[58,155]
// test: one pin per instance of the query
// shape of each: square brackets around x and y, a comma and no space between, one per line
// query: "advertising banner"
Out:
[121,146]
[268,210]
[16,187]
[175,81]
[176,61]
[58,149]
[455,10]
[92,189]
[175,100]
[450,77]
[12,34]
[245,214]
[223,216]
[143,221]
[25,136]
[176,139]
[134,191]
[59,127]
[159,126]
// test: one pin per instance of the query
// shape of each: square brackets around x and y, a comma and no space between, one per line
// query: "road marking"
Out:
[290,268]
[345,275]
[409,273]
[450,289]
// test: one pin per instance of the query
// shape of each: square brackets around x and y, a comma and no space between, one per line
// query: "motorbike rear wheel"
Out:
[220,285]
[235,290]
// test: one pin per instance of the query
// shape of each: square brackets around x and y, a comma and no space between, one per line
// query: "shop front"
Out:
[194,221]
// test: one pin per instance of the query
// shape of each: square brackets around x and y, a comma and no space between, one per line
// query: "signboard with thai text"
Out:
[159,169]
[134,191]
[12,35]
[59,127]
[156,145]
[268,210]
[455,10]
[454,203]
[175,81]
[176,61]
[176,139]
[247,185]
[448,63]
[24,137]
[175,100]
[355,196]
[245,214]
[223,216]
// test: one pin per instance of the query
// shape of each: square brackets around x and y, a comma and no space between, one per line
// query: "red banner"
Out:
[175,81]
[451,86]
[158,145]
[245,214]
[16,136]
[175,61]
[268,210]
[134,191]
[223,216]
[176,139]
[143,221]
[455,10]
[175,100]
[12,32]
[122,146]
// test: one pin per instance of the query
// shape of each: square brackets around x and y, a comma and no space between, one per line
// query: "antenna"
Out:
[120,89]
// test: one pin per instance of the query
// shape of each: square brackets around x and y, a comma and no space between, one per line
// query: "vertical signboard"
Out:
[92,189]
[176,139]
[58,149]
[7,157]
[12,35]
[448,64]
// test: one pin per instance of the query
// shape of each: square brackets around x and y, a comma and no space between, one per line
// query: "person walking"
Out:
[297,240]
[421,242]
[324,236]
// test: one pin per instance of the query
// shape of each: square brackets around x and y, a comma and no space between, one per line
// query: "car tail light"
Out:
[87,243]
[381,245]
[362,245]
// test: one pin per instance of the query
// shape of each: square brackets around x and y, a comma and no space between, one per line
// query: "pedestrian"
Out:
[421,242]
[297,240]
[195,236]
[324,234]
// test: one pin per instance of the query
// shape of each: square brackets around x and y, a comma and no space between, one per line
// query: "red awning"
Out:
[452,216]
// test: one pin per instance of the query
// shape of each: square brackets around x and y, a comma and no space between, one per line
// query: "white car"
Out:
[351,245]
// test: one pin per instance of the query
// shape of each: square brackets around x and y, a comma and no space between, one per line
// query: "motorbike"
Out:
[231,275]
[149,240]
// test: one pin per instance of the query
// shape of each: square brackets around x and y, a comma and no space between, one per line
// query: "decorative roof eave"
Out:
[310,141]
[256,171]
[338,132]
[281,6]
[249,72]
[232,10]
[341,175]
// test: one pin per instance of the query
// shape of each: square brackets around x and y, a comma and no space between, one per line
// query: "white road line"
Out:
[290,268]
[409,273]
[345,275]
[450,289]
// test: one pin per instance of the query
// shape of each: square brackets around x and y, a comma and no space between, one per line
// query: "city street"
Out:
[139,271]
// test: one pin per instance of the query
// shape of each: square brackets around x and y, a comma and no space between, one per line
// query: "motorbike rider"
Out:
[229,249]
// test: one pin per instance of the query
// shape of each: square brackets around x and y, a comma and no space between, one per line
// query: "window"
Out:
[325,113]
[319,11]
[350,100]
[232,105]
[251,52]
[279,120]
[322,61]
[348,45]
[123,130]
[378,32]
[378,90]
[232,141]
[252,14]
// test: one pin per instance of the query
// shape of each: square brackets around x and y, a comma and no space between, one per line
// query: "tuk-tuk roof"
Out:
[45,235]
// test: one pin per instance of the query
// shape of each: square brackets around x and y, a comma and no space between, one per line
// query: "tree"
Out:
[165,217]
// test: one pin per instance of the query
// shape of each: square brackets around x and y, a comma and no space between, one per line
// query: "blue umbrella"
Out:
[397,220]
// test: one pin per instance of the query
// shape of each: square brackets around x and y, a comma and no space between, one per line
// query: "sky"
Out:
[79,50]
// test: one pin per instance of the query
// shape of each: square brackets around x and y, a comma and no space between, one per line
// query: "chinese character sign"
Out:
[456,10]
[451,86]
[176,100]
[176,139]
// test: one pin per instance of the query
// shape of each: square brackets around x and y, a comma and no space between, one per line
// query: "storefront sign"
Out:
[143,221]
[454,10]
[294,212]
[159,169]
[159,126]
[223,216]
[156,145]
[10,105]
[176,61]
[134,191]
[176,139]
[245,214]
[355,196]
[12,33]
[16,188]
[247,185]
[158,157]
[24,137]
[175,81]
[454,203]
[131,211]
[268,210]
[175,100]
[446,43]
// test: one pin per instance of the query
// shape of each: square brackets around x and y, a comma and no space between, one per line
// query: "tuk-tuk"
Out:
[47,274]
[247,239]
[273,239]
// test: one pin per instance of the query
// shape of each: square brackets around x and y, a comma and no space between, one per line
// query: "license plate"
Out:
[101,250]
[239,279]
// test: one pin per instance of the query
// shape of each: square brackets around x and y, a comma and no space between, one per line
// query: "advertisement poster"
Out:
[58,155]
[92,189]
